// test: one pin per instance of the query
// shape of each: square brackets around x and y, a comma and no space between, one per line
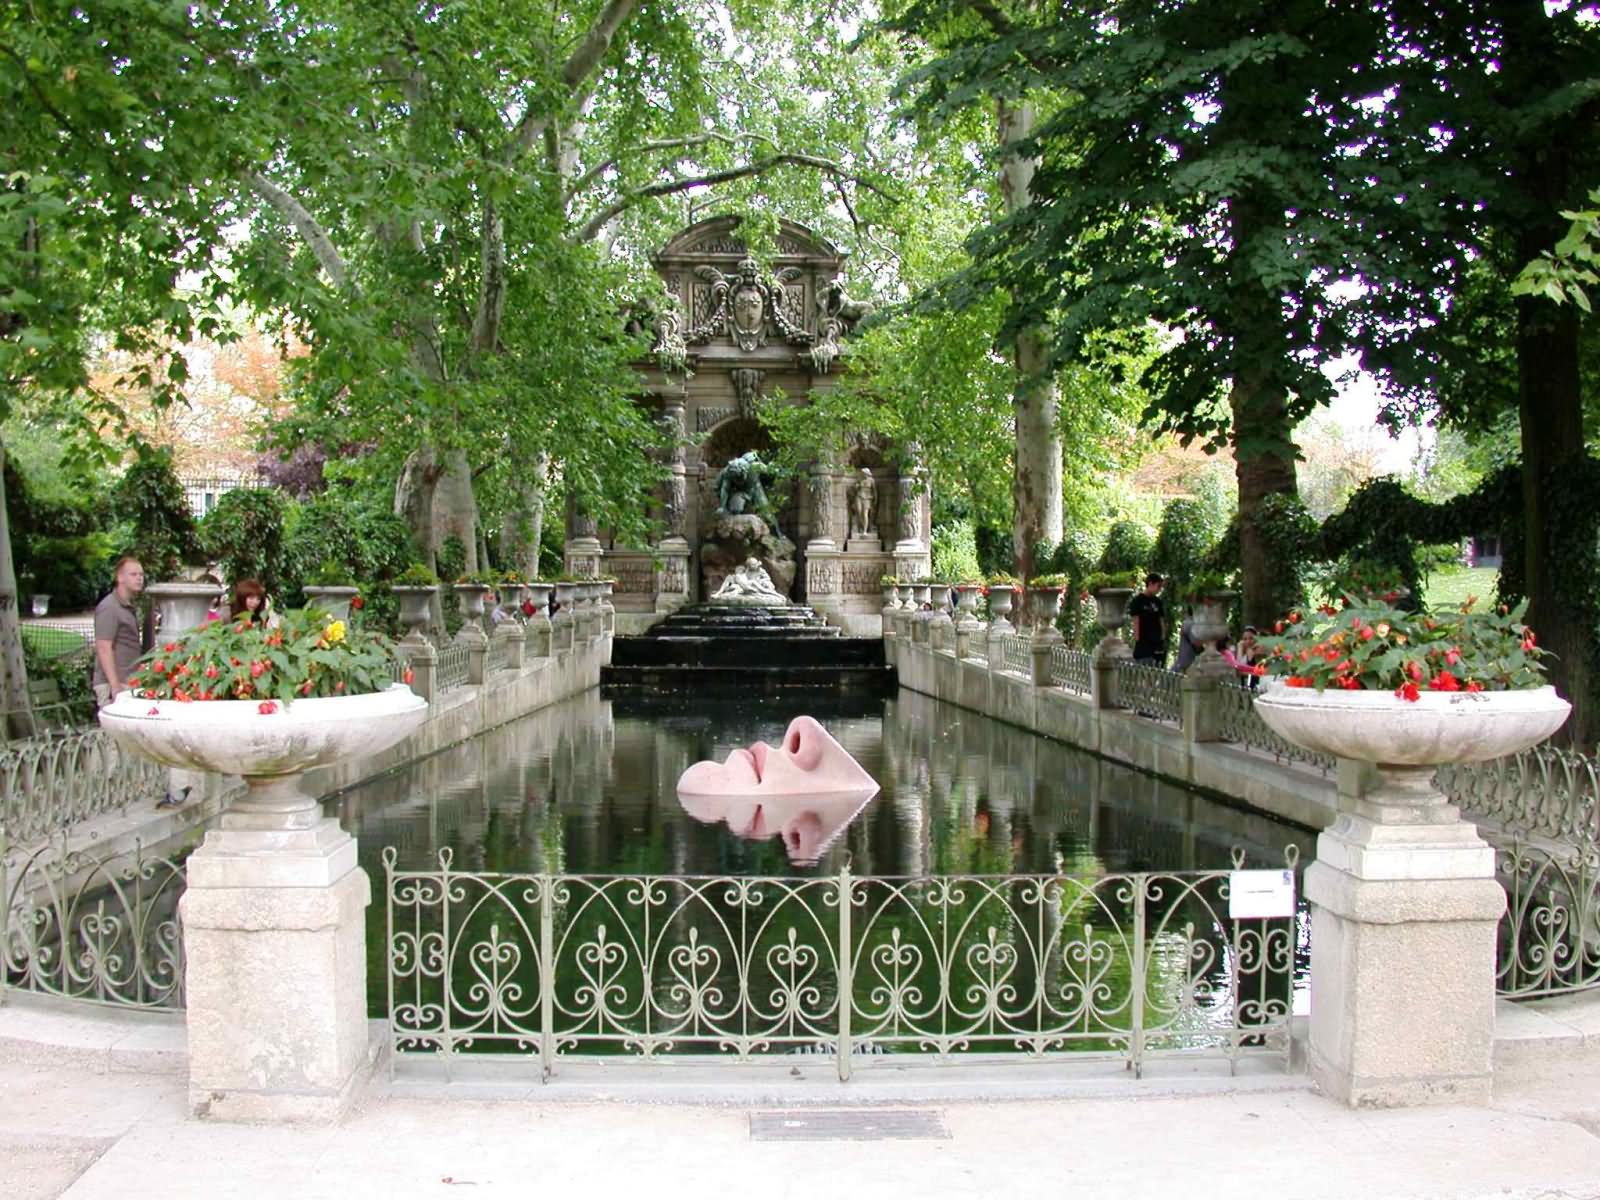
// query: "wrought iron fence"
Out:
[498,656]
[1149,691]
[98,928]
[1240,723]
[651,966]
[1015,655]
[451,671]
[1069,669]
[1541,810]
[64,778]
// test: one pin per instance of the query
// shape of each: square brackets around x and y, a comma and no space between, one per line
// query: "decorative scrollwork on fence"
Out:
[1240,723]
[61,779]
[1149,691]
[1069,669]
[658,966]
[1015,655]
[1541,810]
[96,928]
[451,671]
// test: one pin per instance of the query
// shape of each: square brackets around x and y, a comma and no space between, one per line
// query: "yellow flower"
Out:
[334,632]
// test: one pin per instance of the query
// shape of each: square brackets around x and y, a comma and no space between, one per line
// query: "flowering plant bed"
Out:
[1371,646]
[309,654]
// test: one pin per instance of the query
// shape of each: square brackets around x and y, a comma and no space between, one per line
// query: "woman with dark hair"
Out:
[251,604]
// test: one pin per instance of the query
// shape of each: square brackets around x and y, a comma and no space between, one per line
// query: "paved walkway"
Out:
[92,1107]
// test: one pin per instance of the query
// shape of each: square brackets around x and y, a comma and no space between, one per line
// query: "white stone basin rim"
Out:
[1438,727]
[235,738]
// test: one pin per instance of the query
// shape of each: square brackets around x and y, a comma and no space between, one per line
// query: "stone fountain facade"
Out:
[736,334]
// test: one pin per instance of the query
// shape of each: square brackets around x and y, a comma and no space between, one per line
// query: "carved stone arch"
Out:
[717,237]
[731,437]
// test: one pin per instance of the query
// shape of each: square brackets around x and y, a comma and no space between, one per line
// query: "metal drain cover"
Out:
[847,1125]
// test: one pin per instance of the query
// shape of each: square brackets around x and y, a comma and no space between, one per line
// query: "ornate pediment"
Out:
[730,306]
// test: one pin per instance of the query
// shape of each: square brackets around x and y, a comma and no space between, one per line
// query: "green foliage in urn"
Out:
[1100,581]
[331,573]
[888,581]
[477,579]
[416,575]
[1209,585]
[307,654]
[1003,579]
[1048,581]
[1374,646]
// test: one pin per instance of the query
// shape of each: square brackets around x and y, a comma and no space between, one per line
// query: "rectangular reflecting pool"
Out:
[542,891]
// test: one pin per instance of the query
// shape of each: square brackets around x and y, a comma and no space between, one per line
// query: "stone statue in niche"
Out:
[864,505]
[910,518]
[677,505]
[747,389]
[739,487]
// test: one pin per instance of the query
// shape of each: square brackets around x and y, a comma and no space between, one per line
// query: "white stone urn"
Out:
[967,597]
[1209,624]
[1002,596]
[1045,605]
[512,592]
[1406,738]
[335,601]
[919,595]
[416,607]
[889,602]
[1111,614]
[270,749]
[182,606]
[902,594]
[470,596]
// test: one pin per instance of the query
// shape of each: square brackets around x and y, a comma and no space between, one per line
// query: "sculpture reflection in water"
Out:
[805,790]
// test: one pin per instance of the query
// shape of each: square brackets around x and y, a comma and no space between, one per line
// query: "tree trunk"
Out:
[523,527]
[455,507]
[13,670]
[413,503]
[1264,467]
[1550,396]
[1036,478]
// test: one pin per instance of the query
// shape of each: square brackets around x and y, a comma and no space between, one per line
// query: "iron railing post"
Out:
[846,985]
[547,978]
[1136,1039]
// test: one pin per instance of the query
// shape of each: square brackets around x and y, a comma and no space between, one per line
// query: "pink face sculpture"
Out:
[809,762]
[805,790]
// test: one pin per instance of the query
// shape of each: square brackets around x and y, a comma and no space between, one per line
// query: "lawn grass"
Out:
[52,643]
[1450,589]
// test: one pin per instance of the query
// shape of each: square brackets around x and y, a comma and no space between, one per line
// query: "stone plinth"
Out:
[276,977]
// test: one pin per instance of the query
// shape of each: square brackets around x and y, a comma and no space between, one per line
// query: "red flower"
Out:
[1452,656]
[357,603]
[160,664]
[1444,682]
[212,672]
[267,707]
[1327,610]
[257,668]
[1278,628]
[1294,618]
[171,647]
[407,677]
[1474,686]
[339,687]
[1527,642]
[1258,670]
[1408,691]
[527,610]
[154,711]
[1349,683]
[1297,681]
[235,662]
[148,694]
[1414,669]
[1367,634]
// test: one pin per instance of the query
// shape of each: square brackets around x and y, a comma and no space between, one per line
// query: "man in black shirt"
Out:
[1149,623]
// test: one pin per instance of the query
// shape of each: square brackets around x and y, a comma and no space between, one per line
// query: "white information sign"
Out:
[1253,895]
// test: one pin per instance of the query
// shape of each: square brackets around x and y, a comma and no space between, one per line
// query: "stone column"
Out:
[422,660]
[1404,912]
[1202,711]
[672,555]
[276,972]
[911,559]
[583,549]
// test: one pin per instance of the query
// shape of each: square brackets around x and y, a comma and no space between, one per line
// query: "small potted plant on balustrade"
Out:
[888,585]
[1044,602]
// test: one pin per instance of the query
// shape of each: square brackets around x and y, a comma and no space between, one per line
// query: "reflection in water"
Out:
[807,824]
[588,786]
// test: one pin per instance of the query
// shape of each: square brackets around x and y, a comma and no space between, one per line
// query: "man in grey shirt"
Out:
[116,632]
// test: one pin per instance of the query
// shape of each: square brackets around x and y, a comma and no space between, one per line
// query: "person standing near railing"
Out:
[117,644]
[1149,623]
